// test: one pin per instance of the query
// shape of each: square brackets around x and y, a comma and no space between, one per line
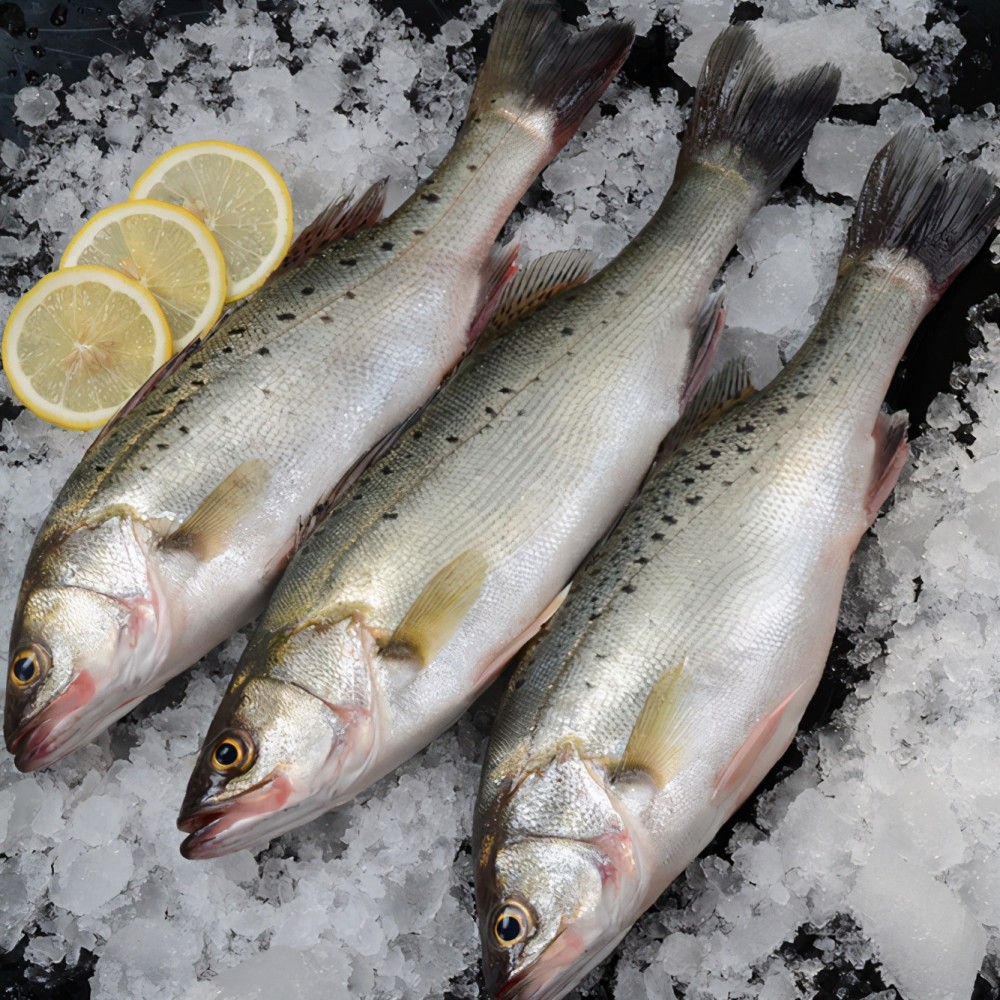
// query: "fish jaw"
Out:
[307,751]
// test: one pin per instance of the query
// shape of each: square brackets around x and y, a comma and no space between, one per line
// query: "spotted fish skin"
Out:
[677,672]
[491,498]
[176,524]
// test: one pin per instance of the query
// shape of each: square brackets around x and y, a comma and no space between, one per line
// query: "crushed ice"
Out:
[883,843]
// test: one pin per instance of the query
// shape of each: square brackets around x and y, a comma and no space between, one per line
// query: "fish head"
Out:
[289,736]
[557,878]
[82,637]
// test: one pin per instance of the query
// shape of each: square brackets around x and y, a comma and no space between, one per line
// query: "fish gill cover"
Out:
[869,862]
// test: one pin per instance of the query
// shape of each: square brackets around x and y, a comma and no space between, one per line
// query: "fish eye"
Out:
[28,665]
[511,925]
[232,753]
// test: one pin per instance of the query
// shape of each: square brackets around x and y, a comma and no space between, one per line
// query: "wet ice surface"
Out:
[882,843]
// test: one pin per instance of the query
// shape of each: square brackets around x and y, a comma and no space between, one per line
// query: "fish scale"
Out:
[210,474]
[452,550]
[678,669]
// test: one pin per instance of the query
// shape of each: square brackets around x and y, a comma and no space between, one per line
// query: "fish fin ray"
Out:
[656,744]
[708,329]
[438,611]
[744,119]
[910,201]
[730,385]
[206,530]
[340,218]
[534,285]
[768,737]
[537,63]
[892,449]
[500,269]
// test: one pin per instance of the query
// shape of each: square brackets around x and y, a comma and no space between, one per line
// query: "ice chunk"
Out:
[35,105]
[93,878]
[929,944]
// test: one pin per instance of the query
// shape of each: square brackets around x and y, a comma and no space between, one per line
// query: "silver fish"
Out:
[454,548]
[175,526]
[677,672]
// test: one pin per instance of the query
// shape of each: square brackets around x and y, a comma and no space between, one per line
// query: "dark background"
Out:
[38,38]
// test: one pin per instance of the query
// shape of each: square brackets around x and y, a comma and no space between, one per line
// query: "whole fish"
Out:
[174,527]
[677,672]
[452,550]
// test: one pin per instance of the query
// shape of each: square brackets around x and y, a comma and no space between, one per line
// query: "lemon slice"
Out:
[238,195]
[168,251]
[81,342]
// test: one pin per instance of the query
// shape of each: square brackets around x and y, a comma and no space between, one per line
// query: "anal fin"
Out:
[437,612]
[708,327]
[205,532]
[656,744]
[891,452]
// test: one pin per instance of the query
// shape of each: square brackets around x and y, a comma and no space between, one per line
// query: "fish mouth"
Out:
[243,821]
[55,732]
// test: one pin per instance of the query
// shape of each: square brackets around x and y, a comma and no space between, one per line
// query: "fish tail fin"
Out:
[937,215]
[537,66]
[746,120]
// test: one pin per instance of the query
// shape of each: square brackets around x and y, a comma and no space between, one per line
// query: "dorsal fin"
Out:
[721,392]
[501,267]
[439,609]
[339,219]
[536,283]
[708,326]
[206,530]
[657,741]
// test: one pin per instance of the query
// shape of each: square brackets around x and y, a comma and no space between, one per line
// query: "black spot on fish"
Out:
[628,589]
[801,395]
[308,290]
[687,480]
[781,410]
[285,317]
[620,293]
[567,331]
[657,536]
[198,382]
[641,560]
[451,439]
[715,453]
[326,318]
[156,413]
[418,232]
[490,412]
[417,435]
[727,482]
[430,196]
[263,352]
[668,519]
[348,261]
[472,166]
[238,330]
[747,428]
[833,380]
[162,445]
[183,430]
[349,295]
[822,341]
[144,468]
[386,245]
[227,349]
[197,366]
[521,413]
[743,450]
[703,466]
[506,390]
[99,468]
[390,515]
[386,471]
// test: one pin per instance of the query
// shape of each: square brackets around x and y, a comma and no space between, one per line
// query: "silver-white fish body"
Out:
[676,673]
[520,463]
[276,406]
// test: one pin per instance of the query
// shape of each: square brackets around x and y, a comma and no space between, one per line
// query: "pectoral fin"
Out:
[656,744]
[436,614]
[205,532]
